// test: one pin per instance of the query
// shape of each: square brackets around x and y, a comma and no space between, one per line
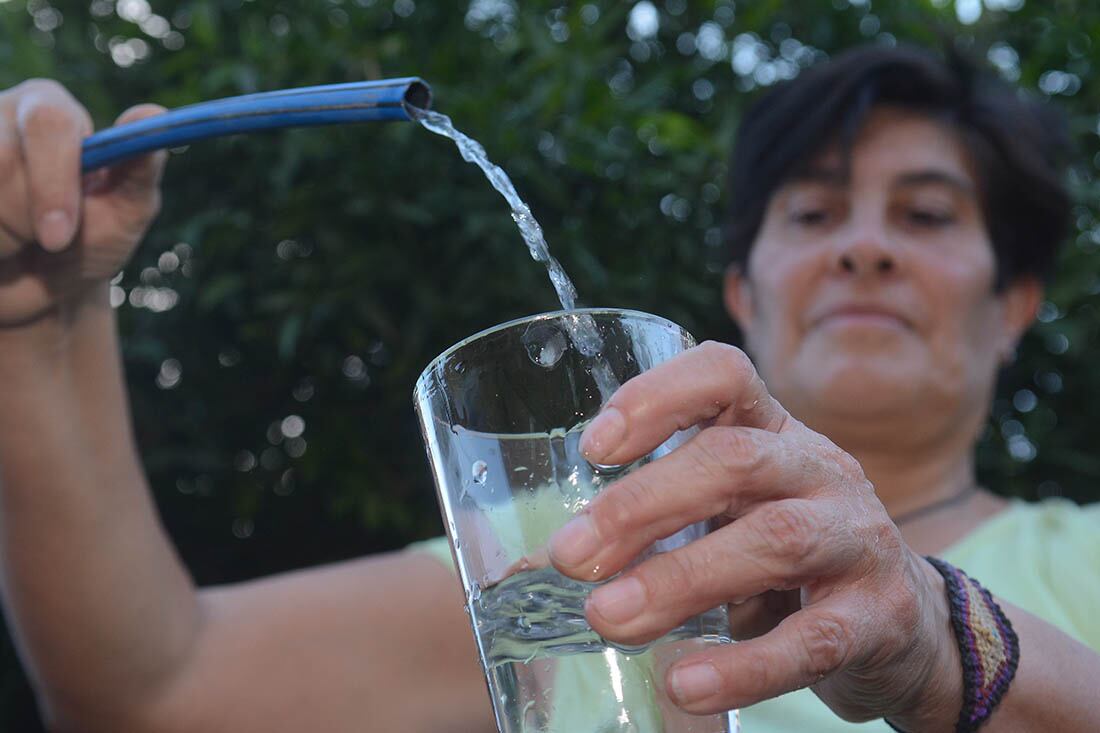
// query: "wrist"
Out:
[49,339]
[938,692]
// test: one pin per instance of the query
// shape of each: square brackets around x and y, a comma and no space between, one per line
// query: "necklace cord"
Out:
[956,498]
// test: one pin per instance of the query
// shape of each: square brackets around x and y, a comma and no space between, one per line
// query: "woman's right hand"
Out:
[61,232]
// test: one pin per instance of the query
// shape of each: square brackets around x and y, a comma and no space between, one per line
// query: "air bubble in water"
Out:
[551,352]
[480,471]
[545,344]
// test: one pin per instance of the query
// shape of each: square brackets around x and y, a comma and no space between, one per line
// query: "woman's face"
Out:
[871,295]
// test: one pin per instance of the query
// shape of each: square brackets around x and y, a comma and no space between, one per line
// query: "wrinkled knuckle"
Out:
[865,489]
[788,530]
[826,642]
[885,535]
[848,466]
[839,466]
[726,452]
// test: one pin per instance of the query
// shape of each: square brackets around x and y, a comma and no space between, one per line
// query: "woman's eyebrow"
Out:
[829,175]
[934,176]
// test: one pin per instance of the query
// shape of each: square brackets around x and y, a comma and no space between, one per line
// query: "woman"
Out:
[891,227]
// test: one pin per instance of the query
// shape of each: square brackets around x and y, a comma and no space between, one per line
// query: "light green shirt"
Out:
[1043,558]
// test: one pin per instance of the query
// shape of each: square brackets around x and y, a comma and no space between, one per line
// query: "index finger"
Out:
[51,124]
[710,382]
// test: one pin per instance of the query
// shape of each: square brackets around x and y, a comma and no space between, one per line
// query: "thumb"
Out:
[137,176]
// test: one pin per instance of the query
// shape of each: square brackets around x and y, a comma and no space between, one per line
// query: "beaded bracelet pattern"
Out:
[988,646]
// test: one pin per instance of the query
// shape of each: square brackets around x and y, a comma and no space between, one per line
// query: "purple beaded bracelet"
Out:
[988,646]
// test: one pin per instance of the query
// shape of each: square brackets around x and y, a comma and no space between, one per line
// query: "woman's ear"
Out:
[1019,303]
[736,292]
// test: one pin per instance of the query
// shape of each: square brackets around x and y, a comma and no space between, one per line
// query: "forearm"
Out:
[103,611]
[1056,682]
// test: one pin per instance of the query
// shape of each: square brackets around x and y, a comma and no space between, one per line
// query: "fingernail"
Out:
[575,542]
[694,682]
[619,601]
[55,229]
[603,435]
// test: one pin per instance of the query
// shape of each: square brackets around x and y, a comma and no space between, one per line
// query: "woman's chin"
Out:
[864,387]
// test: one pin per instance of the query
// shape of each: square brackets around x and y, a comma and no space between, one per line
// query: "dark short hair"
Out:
[1018,144]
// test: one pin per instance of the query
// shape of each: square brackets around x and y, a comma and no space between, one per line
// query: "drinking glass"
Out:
[502,413]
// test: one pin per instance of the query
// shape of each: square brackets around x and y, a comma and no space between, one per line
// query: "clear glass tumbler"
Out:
[502,413]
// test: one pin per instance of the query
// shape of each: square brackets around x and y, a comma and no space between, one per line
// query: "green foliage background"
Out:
[317,271]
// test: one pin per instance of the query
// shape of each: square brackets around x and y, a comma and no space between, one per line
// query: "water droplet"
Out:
[480,471]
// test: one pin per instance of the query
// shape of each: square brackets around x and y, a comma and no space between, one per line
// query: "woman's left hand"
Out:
[821,589]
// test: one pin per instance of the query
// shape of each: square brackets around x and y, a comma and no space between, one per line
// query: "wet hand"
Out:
[61,231]
[821,589]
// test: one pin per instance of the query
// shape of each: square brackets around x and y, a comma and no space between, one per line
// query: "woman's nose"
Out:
[852,263]
[866,255]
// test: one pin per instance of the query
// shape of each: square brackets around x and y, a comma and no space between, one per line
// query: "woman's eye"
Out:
[810,217]
[930,218]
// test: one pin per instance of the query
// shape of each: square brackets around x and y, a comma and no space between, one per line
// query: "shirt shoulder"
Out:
[1043,557]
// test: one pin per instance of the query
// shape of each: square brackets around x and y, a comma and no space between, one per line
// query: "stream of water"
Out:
[582,329]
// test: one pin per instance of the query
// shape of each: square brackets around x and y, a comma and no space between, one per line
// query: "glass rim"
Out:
[534,318]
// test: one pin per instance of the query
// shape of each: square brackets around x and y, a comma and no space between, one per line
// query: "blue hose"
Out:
[387,99]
